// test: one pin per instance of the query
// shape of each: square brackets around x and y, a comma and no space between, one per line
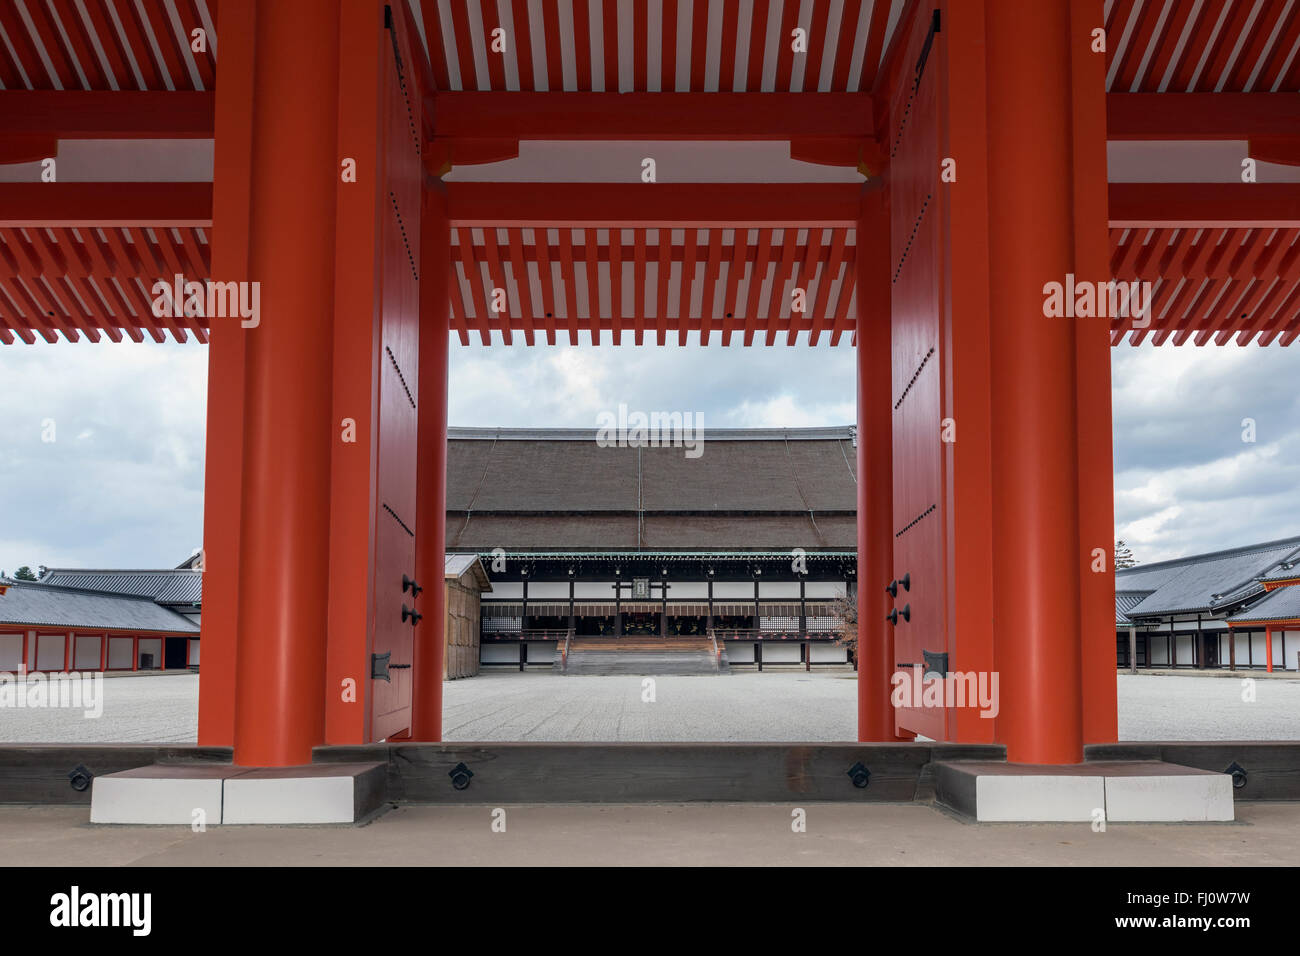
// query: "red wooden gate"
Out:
[920,513]
[394,523]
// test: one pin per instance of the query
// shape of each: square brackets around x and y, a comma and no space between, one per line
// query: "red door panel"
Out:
[398,386]
[918,377]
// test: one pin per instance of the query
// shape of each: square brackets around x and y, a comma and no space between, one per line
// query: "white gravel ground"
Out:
[790,705]
[776,706]
[162,709]
[1208,708]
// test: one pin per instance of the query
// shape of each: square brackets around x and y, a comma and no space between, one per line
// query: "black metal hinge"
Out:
[925,47]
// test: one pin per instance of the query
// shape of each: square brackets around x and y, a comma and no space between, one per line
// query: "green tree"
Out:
[24,574]
[1123,556]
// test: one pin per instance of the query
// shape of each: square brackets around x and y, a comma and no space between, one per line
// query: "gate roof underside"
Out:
[761,151]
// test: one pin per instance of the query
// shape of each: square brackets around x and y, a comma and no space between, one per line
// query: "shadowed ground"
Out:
[673,835]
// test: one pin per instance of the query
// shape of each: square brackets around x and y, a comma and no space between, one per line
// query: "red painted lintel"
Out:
[658,116]
[108,114]
[62,205]
[1209,205]
[1201,116]
[654,205]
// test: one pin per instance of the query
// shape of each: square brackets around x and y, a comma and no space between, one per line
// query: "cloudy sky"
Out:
[121,482]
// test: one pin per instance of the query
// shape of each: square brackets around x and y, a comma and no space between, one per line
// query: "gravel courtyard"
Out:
[772,706]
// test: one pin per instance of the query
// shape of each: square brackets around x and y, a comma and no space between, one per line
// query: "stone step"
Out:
[644,663]
[1110,791]
[211,794]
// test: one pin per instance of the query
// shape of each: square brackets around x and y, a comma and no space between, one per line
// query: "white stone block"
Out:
[1038,798]
[1169,798]
[160,794]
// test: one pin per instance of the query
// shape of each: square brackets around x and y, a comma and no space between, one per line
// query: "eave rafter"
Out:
[1223,258]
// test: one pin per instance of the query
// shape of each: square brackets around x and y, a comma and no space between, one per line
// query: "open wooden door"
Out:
[393,645]
[921,630]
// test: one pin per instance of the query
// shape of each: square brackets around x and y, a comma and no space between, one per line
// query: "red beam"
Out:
[110,114]
[664,116]
[1194,116]
[56,205]
[653,206]
[1204,205]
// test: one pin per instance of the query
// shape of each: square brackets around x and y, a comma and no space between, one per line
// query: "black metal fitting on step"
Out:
[860,775]
[460,776]
[79,777]
[408,584]
[411,613]
[1238,775]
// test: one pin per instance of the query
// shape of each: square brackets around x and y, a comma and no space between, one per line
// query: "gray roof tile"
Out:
[30,604]
[171,586]
[1203,582]
[1282,604]
[1125,601]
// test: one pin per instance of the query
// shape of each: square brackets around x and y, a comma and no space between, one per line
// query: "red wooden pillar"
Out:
[431,467]
[103,651]
[1268,649]
[70,649]
[358,350]
[875,470]
[1093,422]
[225,425]
[1039,232]
[135,652]
[284,530]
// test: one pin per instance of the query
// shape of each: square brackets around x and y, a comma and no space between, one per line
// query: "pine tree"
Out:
[24,574]
[1123,556]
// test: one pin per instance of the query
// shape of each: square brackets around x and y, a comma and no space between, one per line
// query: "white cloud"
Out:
[123,483]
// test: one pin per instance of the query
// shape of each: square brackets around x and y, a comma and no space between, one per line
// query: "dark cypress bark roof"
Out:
[559,489]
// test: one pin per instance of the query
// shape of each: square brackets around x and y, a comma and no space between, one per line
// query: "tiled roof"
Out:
[1203,582]
[1285,571]
[31,604]
[1125,601]
[1281,604]
[171,586]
